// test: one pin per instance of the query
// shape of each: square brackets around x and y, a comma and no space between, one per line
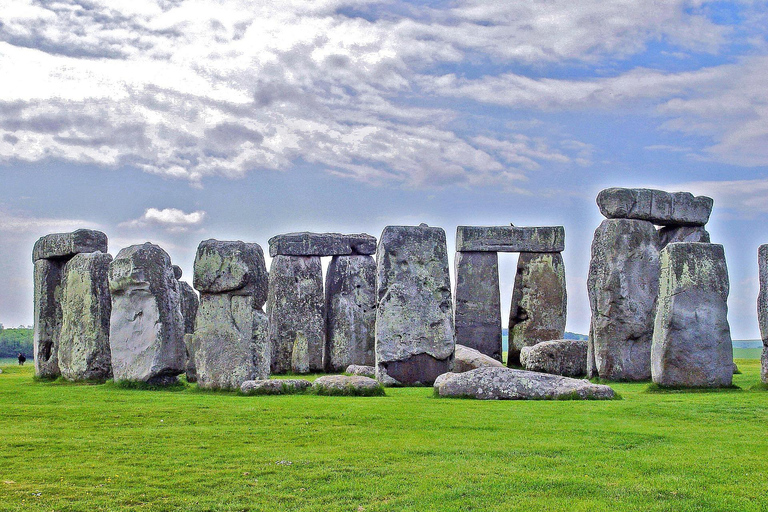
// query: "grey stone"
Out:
[233,267]
[656,206]
[623,284]
[86,307]
[673,234]
[66,245]
[511,384]
[274,386]
[346,384]
[762,307]
[350,301]
[510,239]
[321,244]
[736,370]
[47,320]
[190,369]
[467,359]
[539,302]
[558,357]
[189,304]
[146,335]
[477,302]
[296,314]
[362,370]
[414,320]
[177,272]
[691,338]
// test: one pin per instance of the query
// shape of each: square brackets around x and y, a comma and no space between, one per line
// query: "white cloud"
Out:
[16,223]
[171,219]
[749,197]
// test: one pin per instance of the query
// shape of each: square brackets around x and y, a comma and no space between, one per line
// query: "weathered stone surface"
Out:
[66,245]
[656,206]
[673,234]
[467,359]
[190,369]
[233,267]
[350,301]
[347,384]
[414,320]
[510,239]
[177,272]
[691,338]
[510,384]
[189,304]
[296,314]
[362,370]
[146,334]
[558,357]
[539,302]
[274,386]
[762,306]
[86,307]
[321,244]
[477,302]
[623,284]
[47,321]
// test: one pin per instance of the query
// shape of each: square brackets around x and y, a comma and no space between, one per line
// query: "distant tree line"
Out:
[13,341]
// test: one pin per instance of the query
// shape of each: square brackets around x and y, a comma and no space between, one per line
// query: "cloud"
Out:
[15,223]
[748,197]
[170,219]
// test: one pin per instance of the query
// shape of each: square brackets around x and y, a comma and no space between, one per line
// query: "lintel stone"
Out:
[510,239]
[321,244]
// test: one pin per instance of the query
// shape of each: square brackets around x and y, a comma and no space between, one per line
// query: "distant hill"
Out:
[567,336]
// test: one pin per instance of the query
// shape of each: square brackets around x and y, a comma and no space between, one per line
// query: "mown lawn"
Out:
[99,447]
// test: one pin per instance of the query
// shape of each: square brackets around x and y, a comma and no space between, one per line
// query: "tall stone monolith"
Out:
[477,302]
[189,301]
[762,307]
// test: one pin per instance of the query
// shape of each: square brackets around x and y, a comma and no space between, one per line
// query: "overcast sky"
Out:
[173,121]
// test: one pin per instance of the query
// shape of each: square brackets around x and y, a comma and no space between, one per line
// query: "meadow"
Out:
[68,447]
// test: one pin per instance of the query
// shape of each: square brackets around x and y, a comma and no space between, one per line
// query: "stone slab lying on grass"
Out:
[274,386]
[467,359]
[355,385]
[657,206]
[321,244]
[558,357]
[511,384]
[510,239]
[66,245]
[362,370]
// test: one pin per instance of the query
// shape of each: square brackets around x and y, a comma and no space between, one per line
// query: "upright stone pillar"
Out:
[146,334]
[762,307]
[692,339]
[350,301]
[230,343]
[477,302]
[539,302]
[189,301]
[414,320]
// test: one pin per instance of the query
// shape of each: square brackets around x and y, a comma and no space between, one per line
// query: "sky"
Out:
[174,121]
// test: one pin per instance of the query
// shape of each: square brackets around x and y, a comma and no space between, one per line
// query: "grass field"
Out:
[99,447]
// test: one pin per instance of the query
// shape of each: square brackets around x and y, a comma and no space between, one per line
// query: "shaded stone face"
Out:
[189,305]
[539,302]
[146,327]
[65,245]
[623,284]
[321,244]
[414,320]
[232,267]
[47,322]
[86,307]
[350,298]
[557,357]
[762,306]
[692,339]
[674,234]
[655,206]
[296,309]
[510,239]
[477,302]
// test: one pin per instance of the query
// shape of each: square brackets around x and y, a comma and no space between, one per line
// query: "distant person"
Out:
[22,359]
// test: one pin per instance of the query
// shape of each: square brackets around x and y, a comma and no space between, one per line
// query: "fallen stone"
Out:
[296,314]
[762,307]
[673,234]
[354,385]
[231,267]
[539,302]
[736,370]
[656,206]
[321,244]
[86,307]
[510,239]
[467,359]
[362,370]
[274,386]
[558,357]
[477,302]
[414,319]
[511,384]
[350,302]
[47,319]
[146,335]
[623,286]
[691,338]
[66,245]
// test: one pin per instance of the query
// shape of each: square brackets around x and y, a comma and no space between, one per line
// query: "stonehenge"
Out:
[762,308]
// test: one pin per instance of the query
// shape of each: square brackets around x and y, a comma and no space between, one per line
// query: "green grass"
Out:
[747,353]
[67,447]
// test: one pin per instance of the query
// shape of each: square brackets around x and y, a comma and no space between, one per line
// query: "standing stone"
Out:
[230,343]
[350,301]
[414,321]
[623,284]
[539,302]
[146,334]
[86,307]
[47,293]
[190,370]
[477,302]
[673,234]
[762,307]
[692,339]
[189,302]
[296,314]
